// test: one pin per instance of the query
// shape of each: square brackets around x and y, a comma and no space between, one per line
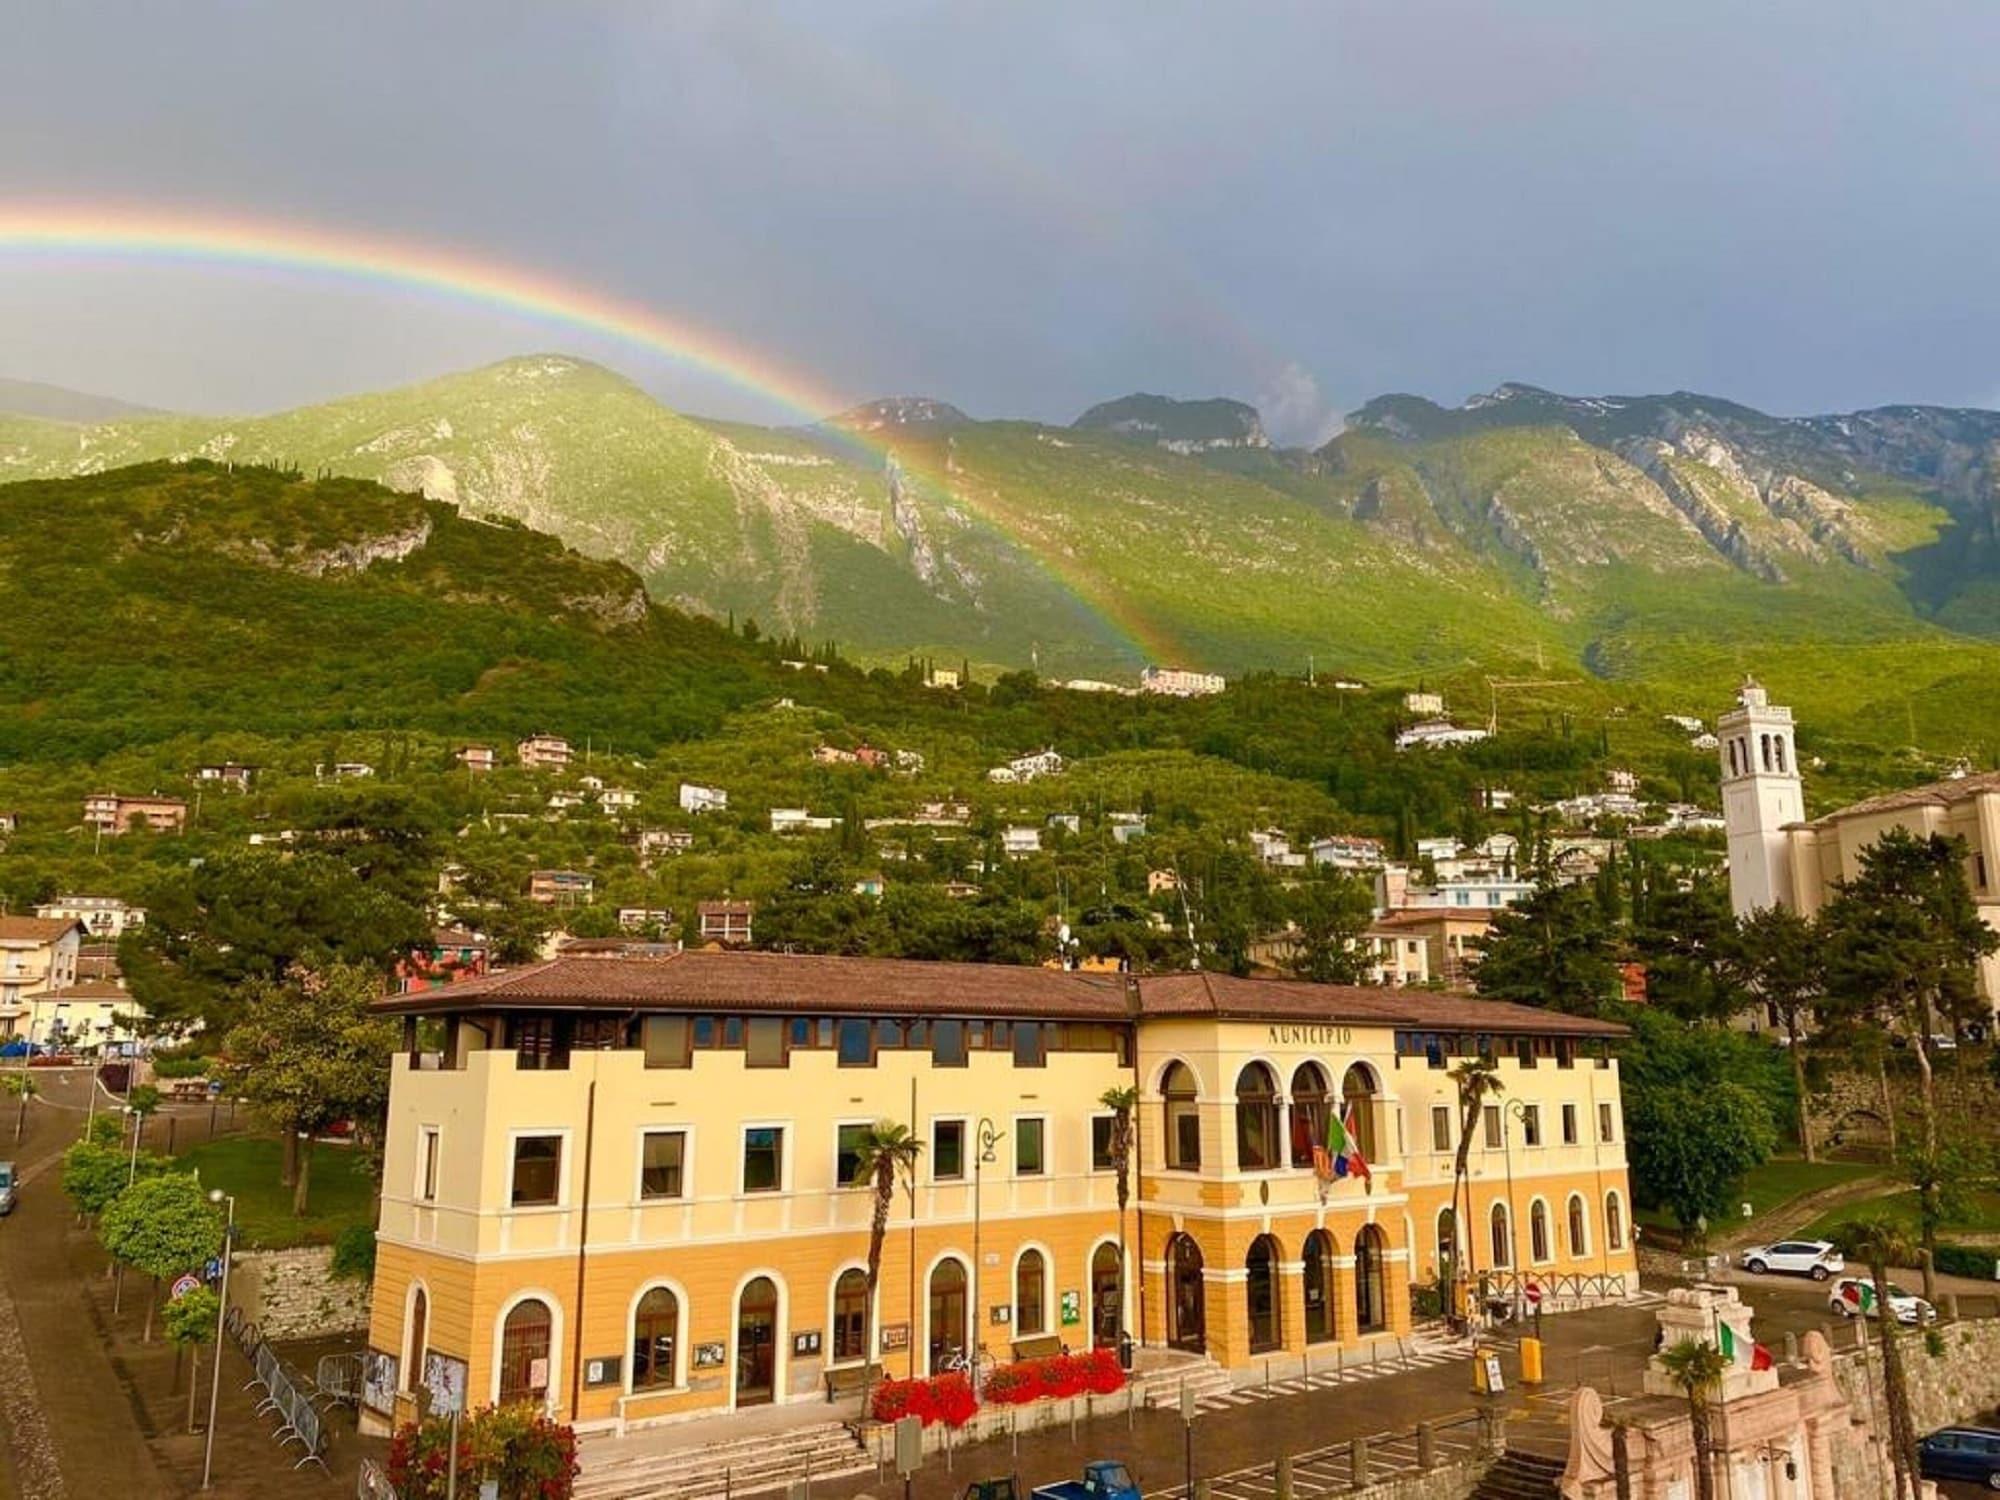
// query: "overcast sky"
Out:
[1024,208]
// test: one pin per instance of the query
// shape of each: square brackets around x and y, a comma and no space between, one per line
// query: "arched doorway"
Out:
[1371,1301]
[1357,1103]
[1107,1296]
[413,1361]
[1186,1297]
[524,1353]
[850,1316]
[1319,1286]
[950,1333]
[1261,1268]
[757,1342]
[656,1326]
[1308,1113]
[1031,1280]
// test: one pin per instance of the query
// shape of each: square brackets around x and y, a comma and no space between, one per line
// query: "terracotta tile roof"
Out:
[1431,916]
[706,980]
[35,929]
[90,992]
[1933,794]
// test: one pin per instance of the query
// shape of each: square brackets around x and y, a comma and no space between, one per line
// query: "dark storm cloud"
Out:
[1028,207]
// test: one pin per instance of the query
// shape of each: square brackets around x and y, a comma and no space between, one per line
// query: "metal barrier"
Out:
[294,1399]
[373,1483]
[338,1379]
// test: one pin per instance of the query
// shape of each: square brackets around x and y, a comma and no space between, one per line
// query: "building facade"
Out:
[36,954]
[111,814]
[625,1187]
[103,917]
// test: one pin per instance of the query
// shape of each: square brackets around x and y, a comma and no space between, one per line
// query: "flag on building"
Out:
[1755,1356]
[1343,1156]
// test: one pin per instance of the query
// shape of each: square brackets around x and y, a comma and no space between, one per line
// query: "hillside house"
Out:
[1395,890]
[725,922]
[343,770]
[941,677]
[1686,723]
[1179,682]
[1424,704]
[562,801]
[871,886]
[1435,849]
[37,953]
[1496,798]
[1705,741]
[104,918]
[832,755]
[560,887]
[453,954]
[652,841]
[476,757]
[960,890]
[543,752]
[1068,822]
[591,783]
[1097,685]
[645,919]
[1273,847]
[1019,841]
[1621,780]
[1162,880]
[1347,851]
[88,1017]
[908,762]
[1045,762]
[1437,734]
[617,799]
[111,814]
[10,822]
[696,798]
[229,775]
[799,820]
[1349,685]
[944,814]
[1395,957]
[1127,827]
[1449,938]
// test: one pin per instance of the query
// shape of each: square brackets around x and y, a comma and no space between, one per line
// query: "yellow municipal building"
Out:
[621,1186]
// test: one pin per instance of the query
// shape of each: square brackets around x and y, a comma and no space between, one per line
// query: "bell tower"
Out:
[1761,794]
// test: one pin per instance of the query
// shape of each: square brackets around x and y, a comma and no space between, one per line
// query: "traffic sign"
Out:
[185,1284]
[1534,1294]
[212,1269]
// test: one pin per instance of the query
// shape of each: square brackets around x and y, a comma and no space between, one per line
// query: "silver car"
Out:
[1818,1259]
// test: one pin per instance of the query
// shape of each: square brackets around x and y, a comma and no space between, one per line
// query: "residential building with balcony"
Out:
[103,917]
[111,814]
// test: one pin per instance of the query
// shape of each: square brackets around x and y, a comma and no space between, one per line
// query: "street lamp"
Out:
[138,1124]
[216,1195]
[1518,1111]
[988,1139]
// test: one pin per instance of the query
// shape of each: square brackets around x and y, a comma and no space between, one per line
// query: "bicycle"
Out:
[975,1367]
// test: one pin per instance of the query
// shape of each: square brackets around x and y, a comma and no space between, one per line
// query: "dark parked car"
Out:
[1962,1453]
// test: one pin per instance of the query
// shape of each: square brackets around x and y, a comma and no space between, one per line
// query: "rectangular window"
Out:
[948,1049]
[1524,1051]
[763,1159]
[1489,1120]
[764,1042]
[1604,1121]
[662,1160]
[1030,1045]
[1531,1124]
[847,1155]
[947,1150]
[1101,1159]
[427,1156]
[667,1042]
[1569,1124]
[1440,1127]
[856,1044]
[1028,1148]
[537,1170]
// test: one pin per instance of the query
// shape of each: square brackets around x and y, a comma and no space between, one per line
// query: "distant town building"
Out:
[1435,734]
[343,770]
[1126,827]
[90,1016]
[1068,822]
[560,887]
[37,953]
[543,752]
[1347,851]
[654,841]
[561,801]
[1179,682]
[942,677]
[1428,705]
[103,917]
[725,922]
[869,885]
[111,814]
[696,798]
[617,799]
[1097,685]
[1449,936]
[1395,890]
[1687,723]
[229,774]
[645,919]
[1496,798]
[476,757]
[1019,841]
[799,820]
[1028,767]
[960,890]
[1273,847]
[1162,880]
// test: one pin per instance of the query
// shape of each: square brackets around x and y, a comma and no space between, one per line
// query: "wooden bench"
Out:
[850,1380]
[1043,1346]
[188,1090]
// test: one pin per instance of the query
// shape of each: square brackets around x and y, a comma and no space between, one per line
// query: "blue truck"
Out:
[1106,1479]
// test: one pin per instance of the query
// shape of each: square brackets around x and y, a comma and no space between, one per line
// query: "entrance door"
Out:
[1187,1302]
[949,1333]
[524,1353]
[1319,1286]
[757,1343]
[1107,1297]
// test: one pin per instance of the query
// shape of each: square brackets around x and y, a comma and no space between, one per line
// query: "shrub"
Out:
[179,1065]
[533,1457]
[354,1253]
[1965,1260]
[941,1398]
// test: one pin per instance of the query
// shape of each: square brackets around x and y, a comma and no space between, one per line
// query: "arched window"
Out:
[1319,1286]
[1447,1241]
[656,1329]
[1371,1301]
[1262,1266]
[1538,1230]
[1256,1119]
[1614,1222]
[948,1313]
[1357,1099]
[524,1352]
[1502,1237]
[850,1315]
[1183,1119]
[1107,1296]
[1579,1233]
[1187,1296]
[1733,767]
[1308,1113]
[413,1363]
[1781,752]
[1030,1296]
[1764,747]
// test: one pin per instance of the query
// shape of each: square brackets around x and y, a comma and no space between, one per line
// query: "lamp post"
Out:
[216,1195]
[138,1124]
[1519,1111]
[988,1139]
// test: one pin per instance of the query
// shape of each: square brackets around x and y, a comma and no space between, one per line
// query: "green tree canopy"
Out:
[1553,950]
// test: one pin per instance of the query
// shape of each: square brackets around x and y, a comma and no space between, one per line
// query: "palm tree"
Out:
[1879,1242]
[1697,1368]
[1121,1102]
[887,1154]
[1478,1079]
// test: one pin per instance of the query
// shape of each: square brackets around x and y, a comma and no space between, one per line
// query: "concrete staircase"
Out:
[1518,1475]
[634,1470]
[1203,1376]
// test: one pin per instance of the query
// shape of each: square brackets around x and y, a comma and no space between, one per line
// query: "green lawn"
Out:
[341,1193]
[1779,1181]
[1981,1215]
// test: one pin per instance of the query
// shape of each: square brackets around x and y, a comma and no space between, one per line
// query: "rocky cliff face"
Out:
[1178,426]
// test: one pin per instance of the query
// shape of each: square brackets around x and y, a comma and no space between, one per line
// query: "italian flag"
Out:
[1756,1356]
[1343,1150]
[1858,1295]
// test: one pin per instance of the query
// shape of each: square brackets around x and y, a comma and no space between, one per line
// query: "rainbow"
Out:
[67,232]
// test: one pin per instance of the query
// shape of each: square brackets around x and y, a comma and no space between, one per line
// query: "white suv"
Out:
[1815,1258]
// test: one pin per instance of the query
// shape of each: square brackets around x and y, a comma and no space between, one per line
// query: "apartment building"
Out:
[625,1187]
[37,953]
[112,814]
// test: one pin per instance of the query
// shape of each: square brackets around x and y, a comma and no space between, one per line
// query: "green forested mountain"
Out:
[1666,543]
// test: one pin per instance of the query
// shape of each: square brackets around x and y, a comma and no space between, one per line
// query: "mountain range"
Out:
[1679,539]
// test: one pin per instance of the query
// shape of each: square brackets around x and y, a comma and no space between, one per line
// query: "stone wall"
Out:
[293,1294]
[1960,1384]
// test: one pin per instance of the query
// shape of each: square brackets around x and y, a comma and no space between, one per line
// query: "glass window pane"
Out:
[1028,1148]
[667,1042]
[661,1166]
[1030,1045]
[764,1047]
[857,1044]
[763,1159]
[1101,1159]
[947,1150]
[847,1155]
[537,1170]
[948,1048]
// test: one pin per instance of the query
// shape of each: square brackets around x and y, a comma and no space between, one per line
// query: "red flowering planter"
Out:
[941,1398]
[1060,1375]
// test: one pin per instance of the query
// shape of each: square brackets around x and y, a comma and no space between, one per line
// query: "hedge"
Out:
[1966,1260]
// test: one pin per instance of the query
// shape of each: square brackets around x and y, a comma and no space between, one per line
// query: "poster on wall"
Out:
[378,1380]
[709,1356]
[1072,1309]
[444,1378]
[895,1336]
